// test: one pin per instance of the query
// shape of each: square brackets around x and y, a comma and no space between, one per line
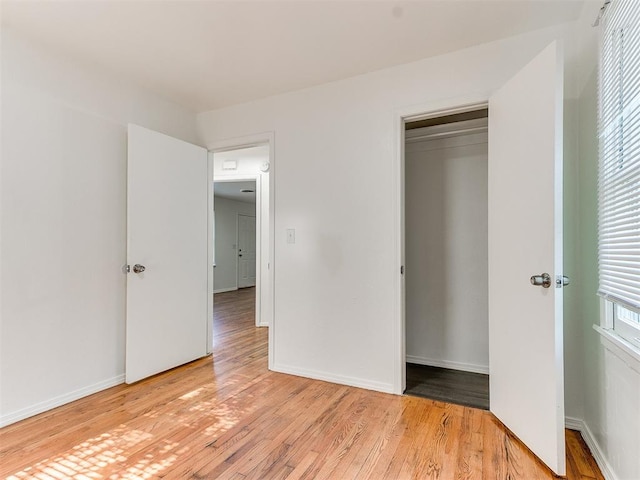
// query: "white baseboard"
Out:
[574,424]
[12,417]
[222,290]
[432,362]
[590,440]
[339,379]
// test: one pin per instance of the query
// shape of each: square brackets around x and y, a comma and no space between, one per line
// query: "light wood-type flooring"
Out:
[228,417]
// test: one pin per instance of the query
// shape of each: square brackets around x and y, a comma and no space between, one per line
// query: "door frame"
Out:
[402,116]
[265,291]
[258,245]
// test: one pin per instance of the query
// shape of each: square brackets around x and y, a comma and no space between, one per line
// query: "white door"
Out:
[246,251]
[525,239]
[167,235]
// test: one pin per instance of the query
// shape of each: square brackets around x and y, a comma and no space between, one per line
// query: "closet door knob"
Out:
[543,280]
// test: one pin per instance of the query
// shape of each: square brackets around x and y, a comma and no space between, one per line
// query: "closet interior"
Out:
[446,297]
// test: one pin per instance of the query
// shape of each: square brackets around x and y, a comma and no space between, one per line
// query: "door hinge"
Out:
[401,269]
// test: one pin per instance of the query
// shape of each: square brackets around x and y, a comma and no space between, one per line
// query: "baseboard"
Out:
[574,424]
[13,417]
[590,440]
[339,379]
[465,367]
[222,290]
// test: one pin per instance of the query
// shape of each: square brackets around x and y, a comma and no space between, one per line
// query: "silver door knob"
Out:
[562,281]
[543,280]
[137,268]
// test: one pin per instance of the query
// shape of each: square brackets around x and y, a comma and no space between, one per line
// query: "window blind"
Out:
[619,152]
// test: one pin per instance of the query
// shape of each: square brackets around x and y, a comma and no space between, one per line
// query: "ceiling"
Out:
[231,191]
[209,54]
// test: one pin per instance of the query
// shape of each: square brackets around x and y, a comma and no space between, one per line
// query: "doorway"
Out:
[446,258]
[241,176]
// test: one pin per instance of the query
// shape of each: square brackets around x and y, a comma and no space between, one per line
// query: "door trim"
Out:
[268,311]
[402,116]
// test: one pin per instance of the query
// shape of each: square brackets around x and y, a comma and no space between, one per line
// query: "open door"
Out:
[525,240]
[166,252]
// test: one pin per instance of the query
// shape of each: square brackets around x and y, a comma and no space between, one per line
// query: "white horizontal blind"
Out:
[619,139]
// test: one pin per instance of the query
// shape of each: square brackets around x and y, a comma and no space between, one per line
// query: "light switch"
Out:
[291,235]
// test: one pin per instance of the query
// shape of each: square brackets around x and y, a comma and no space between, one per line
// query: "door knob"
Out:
[562,281]
[543,280]
[137,268]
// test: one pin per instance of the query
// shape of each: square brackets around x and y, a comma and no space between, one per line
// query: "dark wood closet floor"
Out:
[453,386]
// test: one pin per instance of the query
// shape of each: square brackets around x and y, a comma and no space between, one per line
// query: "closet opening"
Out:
[446,250]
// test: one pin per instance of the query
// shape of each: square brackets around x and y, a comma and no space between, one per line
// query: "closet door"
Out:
[525,240]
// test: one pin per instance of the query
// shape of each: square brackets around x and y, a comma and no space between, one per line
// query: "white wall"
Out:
[573,327]
[335,288]
[248,161]
[446,252]
[64,225]
[226,270]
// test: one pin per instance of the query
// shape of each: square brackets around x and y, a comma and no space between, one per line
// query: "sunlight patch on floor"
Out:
[85,460]
[108,456]
[192,394]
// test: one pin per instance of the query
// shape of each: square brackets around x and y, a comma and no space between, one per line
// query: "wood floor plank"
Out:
[228,417]
[413,418]
[303,466]
[469,461]
[360,451]
[579,456]
[384,448]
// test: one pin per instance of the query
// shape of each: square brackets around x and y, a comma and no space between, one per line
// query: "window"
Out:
[627,324]
[619,167]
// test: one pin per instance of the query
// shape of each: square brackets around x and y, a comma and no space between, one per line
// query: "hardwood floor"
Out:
[231,418]
[453,386]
